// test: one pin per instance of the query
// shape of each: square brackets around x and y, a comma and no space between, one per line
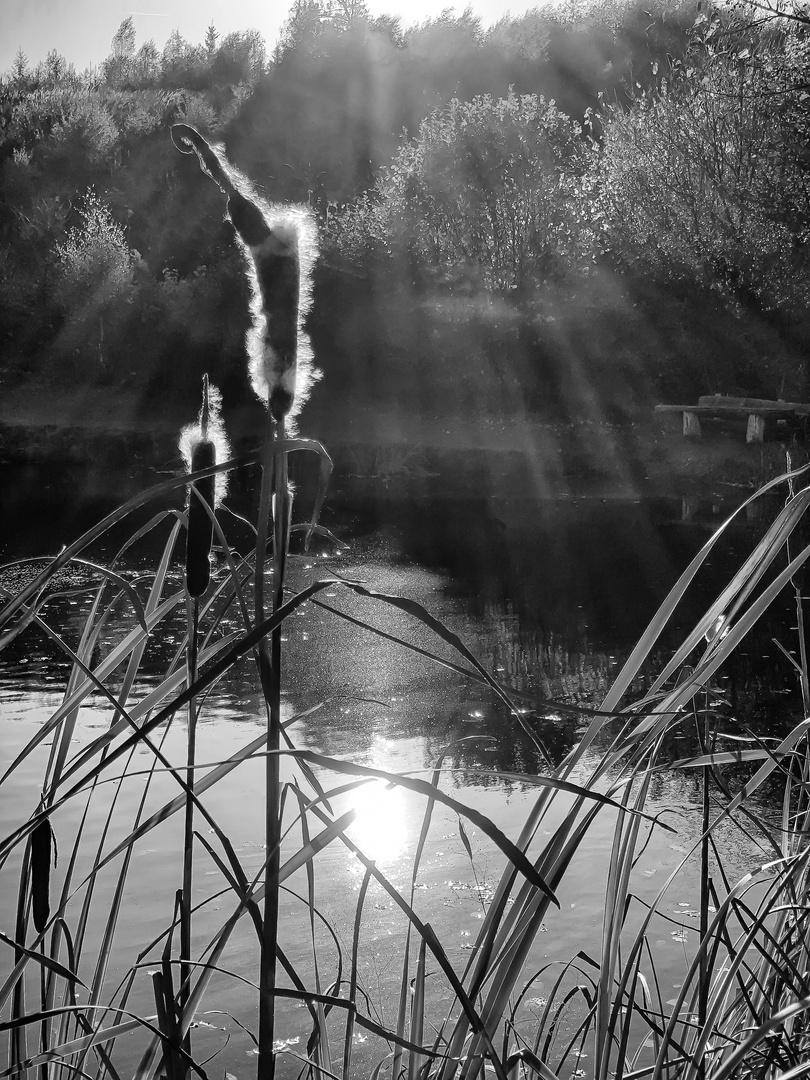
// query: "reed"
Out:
[72,1005]
[202,445]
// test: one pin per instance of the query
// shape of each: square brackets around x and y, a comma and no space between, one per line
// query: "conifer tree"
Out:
[20,71]
[211,39]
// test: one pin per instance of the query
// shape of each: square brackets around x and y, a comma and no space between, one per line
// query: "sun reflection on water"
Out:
[380,828]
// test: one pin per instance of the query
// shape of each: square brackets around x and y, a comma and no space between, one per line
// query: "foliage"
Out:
[97,268]
[95,256]
[339,85]
[19,71]
[488,192]
[700,184]
[86,130]
[240,58]
[707,180]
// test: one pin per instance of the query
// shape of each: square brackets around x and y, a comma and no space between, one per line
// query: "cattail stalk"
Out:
[269,660]
[274,507]
[202,444]
[192,619]
[704,973]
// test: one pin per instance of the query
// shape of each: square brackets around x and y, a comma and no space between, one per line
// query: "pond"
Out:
[549,596]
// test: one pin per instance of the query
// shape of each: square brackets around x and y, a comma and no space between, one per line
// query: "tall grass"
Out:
[741,1005]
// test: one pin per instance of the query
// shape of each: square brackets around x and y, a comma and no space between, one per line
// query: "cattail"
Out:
[203,444]
[280,242]
[42,857]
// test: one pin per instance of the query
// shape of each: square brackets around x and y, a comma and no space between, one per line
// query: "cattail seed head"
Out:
[203,444]
[200,532]
[42,851]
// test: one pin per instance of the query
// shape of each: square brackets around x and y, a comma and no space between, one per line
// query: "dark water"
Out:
[551,593]
[550,596]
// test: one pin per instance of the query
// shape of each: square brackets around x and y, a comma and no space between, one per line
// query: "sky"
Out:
[81,30]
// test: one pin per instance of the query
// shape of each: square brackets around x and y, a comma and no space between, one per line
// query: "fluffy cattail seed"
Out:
[203,445]
[280,245]
[42,853]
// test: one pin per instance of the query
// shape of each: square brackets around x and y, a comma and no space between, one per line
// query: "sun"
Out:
[379,830]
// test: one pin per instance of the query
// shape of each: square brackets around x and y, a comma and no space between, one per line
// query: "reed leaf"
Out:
[46,961]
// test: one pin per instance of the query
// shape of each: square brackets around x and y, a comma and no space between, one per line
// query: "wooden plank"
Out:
[690,505]
[756,428]
[740,402]
[800,408]
[691,425]
[732,412]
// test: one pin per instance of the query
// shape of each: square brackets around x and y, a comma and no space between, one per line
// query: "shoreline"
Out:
[524,456]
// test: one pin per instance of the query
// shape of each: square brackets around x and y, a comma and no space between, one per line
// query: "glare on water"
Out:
[379,829]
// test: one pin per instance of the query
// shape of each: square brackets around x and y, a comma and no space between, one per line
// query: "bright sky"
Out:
[81,30]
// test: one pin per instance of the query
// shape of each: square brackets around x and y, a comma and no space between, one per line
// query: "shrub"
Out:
[490,190]
[705,181]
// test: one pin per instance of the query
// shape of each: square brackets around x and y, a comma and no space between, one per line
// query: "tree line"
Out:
[556,179]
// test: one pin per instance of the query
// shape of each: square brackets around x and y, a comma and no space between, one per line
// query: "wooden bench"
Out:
[756,411]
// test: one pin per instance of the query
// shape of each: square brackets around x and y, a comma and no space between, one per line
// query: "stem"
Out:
[274,496]
[803,677]
[804,681]
[193,614]
[705,888]
[265,502]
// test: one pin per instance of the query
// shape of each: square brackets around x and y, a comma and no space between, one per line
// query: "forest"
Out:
[587,208]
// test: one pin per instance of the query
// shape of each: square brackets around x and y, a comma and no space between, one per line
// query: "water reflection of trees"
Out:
[507,748]
[543,662]
[569,566]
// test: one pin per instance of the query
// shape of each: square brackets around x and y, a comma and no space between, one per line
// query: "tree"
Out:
[442,60]
[184,65]
[708,181]
[84,135]
[488,192]
[797,11]
[56,67]
[118,65]
[304,26]
[211,39]
[20,71]
[175,51]
[97,269]
[146,65]
[346,13]
[240,58]
[123,42]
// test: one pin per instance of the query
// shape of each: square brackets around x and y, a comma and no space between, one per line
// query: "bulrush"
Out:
[279,245]
[42,853]
[280,242]
[202,445]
